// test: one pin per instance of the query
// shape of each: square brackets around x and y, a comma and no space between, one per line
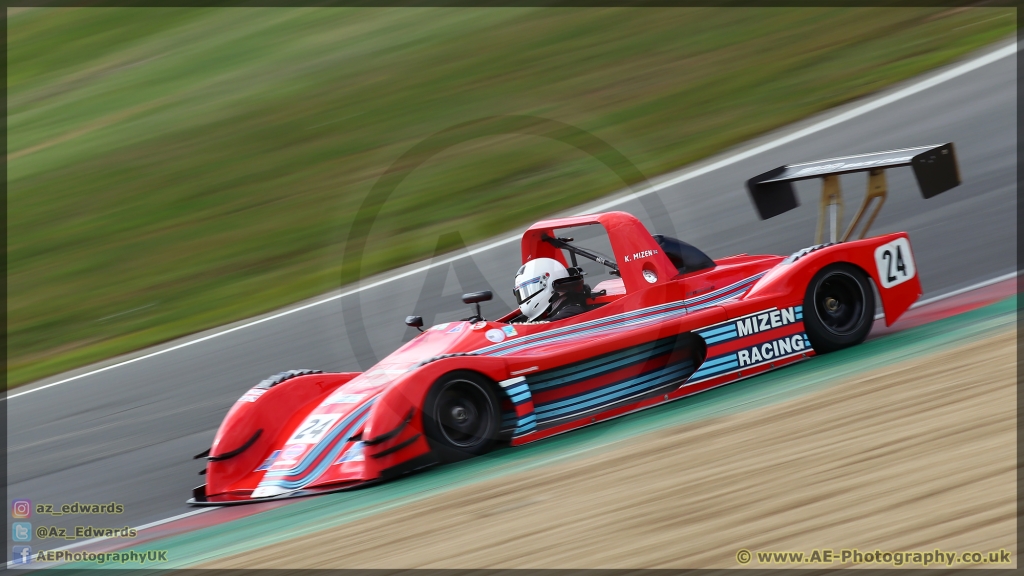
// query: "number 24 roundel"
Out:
[895,262]
[313,429]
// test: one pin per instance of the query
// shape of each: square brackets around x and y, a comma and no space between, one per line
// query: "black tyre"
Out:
[839,308]
[461,415]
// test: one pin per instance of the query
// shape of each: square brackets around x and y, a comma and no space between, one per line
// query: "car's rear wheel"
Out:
[839,308]
[461,415]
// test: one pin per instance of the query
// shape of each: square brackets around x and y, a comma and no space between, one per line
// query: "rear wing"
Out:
[934,167]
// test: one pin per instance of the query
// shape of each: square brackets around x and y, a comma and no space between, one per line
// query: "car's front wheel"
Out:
[839,307]
[461,415]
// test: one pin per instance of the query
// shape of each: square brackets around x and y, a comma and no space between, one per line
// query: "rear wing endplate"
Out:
[934,167]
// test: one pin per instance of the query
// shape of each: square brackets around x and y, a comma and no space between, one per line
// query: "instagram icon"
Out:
[21,508]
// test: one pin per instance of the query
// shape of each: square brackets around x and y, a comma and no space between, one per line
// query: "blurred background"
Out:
[171,170]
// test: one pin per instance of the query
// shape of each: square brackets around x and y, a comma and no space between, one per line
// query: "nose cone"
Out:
[322,444]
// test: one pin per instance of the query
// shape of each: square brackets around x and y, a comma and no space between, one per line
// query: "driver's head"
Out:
[533,286]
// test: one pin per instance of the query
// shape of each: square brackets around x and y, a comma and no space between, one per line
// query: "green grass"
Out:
[170,170]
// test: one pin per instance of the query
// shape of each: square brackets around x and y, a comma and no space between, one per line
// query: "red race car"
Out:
[670,323]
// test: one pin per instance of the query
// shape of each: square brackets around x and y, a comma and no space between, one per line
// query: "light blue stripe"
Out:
[524,430]
[607,390]
[345,456]
[517,390]
[715,370]
[324,464]
[698,302]
[598,330]
[701,373]
[721,338]
[715,331]
[619,325]
[618,392]
[576,376]
[521,397]
[528,419]
[320,446]
[749,280]
[618,354]
[717,360]
[725,366]
[717,301]
[600,323]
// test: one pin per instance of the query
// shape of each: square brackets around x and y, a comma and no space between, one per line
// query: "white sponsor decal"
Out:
[313,429]
[803,252]
[265,491]
[440,326]
[765,321]
[524,370]
[353,454]
[640,255]
[494,335]
[772,349]
[895,262]
[293,451]
[850,165]
[252,395]
[270,460]
[288,457]
[900,159]
[370,381]
[817,169]
[345,398]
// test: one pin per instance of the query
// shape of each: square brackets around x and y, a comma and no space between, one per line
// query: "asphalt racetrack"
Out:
[128,434]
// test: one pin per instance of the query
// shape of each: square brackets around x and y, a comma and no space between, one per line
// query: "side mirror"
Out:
[477,297]
[414,322]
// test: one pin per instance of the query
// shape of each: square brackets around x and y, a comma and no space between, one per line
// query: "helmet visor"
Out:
[527,288]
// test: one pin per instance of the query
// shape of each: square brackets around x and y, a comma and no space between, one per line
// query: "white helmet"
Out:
[533,286]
